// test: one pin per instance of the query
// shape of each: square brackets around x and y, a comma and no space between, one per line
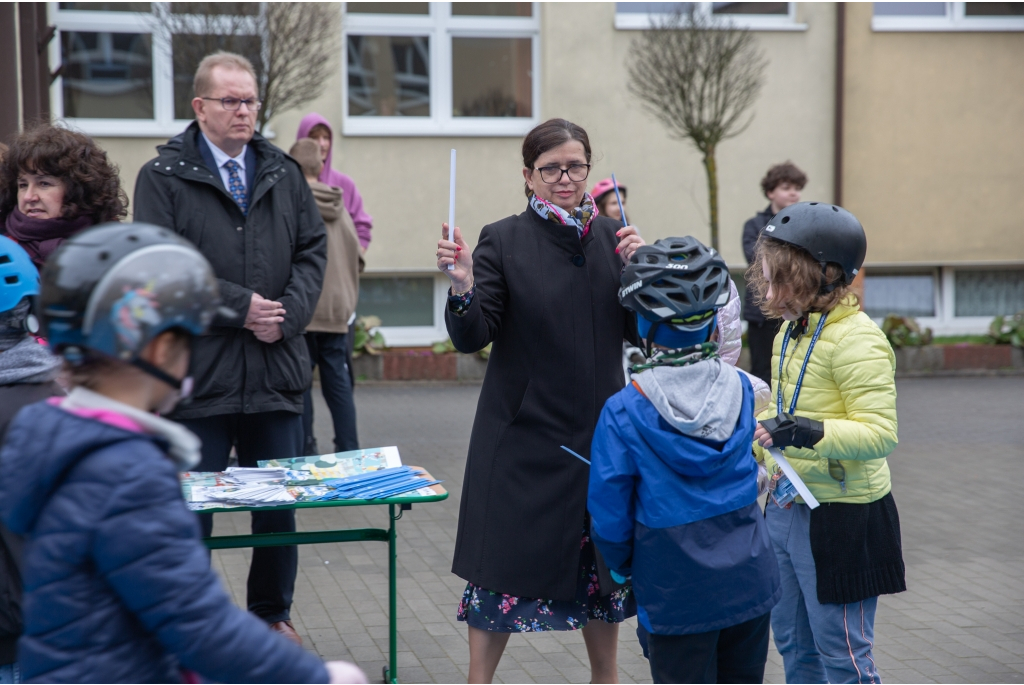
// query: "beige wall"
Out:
[934,143]
[404,180]
[585,80]
[130,154]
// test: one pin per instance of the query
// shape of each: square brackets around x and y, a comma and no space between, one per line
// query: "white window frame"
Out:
[440,27]
[163,124]
[754,22]
[955,19]
[418,336]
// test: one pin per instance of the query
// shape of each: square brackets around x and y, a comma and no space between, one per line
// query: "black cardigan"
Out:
[549,303]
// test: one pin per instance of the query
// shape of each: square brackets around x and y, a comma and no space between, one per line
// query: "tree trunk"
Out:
[712,171]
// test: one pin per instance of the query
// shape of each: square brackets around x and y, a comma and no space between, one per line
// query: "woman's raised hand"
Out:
[457,253]
[629,240]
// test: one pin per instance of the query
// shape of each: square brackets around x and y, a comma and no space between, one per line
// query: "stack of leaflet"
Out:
[375,484]
[250,495]
[244,476]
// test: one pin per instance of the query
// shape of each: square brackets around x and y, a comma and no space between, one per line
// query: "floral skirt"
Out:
[502,613]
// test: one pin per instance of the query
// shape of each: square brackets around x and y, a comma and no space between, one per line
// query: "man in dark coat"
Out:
[781,185]
[248,209]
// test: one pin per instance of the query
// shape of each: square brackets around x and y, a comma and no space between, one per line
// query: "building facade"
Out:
[910,120]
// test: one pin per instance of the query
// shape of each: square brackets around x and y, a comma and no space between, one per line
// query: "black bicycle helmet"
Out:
[675,281]
[113,288]
[829,233]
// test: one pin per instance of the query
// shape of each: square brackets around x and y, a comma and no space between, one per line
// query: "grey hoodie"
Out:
[702,400]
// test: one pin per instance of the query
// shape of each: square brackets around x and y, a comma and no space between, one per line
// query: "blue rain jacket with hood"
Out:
[117,583]
[673,499]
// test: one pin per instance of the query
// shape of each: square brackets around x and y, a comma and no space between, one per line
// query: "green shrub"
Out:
[904,331]
[1008,330]
[367,338]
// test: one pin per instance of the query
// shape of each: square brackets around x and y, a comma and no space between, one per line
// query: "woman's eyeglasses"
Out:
[575,172]
[235,104]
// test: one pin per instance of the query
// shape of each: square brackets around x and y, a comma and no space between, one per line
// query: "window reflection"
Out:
[994,9]
[106,6]
[492,9]
[492,77]
[389,76]
[107,75]
[750,8]
[387,7]
[398,301]
[989,293]
[902,294]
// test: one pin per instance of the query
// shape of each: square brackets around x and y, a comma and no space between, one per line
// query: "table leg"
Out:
[393,594]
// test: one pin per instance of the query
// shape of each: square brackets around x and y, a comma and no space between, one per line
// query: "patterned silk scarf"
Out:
[581,217]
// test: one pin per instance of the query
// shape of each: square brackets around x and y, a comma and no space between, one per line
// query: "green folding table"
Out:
[396,505]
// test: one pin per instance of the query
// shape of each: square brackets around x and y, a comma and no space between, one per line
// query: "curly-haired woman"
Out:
[53,184]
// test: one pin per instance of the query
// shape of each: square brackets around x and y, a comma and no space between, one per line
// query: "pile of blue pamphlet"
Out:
[375,484]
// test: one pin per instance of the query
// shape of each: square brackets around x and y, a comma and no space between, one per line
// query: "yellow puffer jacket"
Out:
[850,387]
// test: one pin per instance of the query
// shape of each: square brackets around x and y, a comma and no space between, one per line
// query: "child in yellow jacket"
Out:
[834,415]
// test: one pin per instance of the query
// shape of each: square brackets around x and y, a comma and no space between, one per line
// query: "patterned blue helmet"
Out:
[18,275]
[113,288]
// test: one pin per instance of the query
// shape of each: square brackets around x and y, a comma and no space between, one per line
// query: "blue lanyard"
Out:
[803,369]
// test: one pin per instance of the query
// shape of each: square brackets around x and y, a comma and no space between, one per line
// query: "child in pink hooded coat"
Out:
[351,198]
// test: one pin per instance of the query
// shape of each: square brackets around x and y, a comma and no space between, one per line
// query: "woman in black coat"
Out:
[543,288]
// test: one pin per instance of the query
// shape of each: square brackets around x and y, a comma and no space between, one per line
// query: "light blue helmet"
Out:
[19,277]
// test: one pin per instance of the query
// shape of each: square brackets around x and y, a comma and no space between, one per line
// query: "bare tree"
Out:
[698,76]
[291,46]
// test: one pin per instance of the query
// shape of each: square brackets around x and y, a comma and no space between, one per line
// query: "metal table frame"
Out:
[315,537]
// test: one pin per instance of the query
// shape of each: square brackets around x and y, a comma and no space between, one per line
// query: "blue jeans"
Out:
[330,352]
[9,673]
[819,643]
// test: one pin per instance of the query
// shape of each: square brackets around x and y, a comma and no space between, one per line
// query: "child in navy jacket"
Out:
[117,583]
[673,484]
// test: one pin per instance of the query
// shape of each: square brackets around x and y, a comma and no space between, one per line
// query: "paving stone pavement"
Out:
[962,619]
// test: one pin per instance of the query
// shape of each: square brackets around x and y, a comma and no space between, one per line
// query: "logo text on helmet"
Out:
[635,285]
[682,267]
[769,228]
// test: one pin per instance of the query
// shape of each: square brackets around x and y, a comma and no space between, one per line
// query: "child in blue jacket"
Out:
[117,583]
[673,484]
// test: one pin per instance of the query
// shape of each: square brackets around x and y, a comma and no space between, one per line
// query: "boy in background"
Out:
[782,186]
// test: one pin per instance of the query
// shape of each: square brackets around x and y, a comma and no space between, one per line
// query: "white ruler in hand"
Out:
[794,477]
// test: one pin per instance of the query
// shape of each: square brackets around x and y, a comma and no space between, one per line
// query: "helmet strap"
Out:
[826,287]
[650,337]
[156,372]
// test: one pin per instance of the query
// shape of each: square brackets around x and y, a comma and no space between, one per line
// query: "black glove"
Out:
[794,431]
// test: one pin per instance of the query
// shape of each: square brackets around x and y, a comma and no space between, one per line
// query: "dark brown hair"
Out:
[548,136]
[91,183]
[796,280]
[787,172]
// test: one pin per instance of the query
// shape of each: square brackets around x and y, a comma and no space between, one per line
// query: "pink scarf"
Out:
[42,237]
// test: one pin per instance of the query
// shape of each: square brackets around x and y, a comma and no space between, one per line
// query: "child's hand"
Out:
[787,430]
[344,672]
[763,437]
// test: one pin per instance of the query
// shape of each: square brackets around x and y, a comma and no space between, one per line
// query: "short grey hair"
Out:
[227,60]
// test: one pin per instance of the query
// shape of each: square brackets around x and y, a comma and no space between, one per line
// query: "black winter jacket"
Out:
[751,232]
[549,302]
[279,251]
[12,398]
